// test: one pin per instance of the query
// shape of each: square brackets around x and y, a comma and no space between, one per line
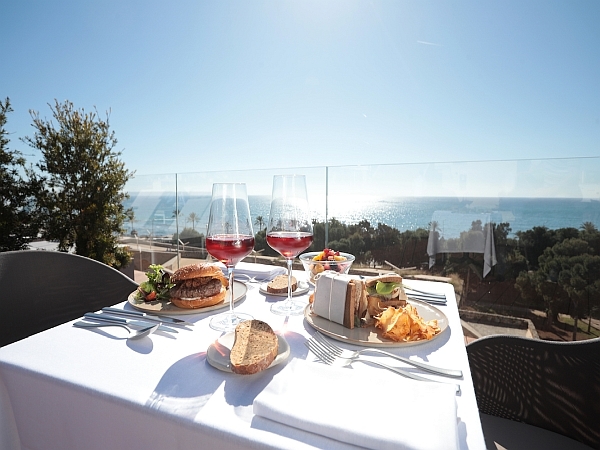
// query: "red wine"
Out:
[229,249]
[289,244]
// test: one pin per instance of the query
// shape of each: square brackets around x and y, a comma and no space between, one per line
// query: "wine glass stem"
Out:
[289,292]
[230,275]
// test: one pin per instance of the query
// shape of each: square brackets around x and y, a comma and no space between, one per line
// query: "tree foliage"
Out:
[17,227]
[188,233]
[568,272]
[81,203]
[578,272]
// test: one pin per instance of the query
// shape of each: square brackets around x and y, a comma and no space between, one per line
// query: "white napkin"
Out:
[359,408]
[260,272]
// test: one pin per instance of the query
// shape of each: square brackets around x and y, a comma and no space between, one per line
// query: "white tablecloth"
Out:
[69,388]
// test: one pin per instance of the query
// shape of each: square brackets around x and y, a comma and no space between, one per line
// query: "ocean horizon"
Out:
[155,213]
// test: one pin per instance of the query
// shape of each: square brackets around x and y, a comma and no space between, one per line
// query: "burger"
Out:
[384,291]
[198,286]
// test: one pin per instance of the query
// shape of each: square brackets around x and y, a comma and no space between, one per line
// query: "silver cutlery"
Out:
[244,278]
[332,360]
[107,318]
[428,297]
[333,348]
[431,301]
[149,317]
[137,334]
[425,294]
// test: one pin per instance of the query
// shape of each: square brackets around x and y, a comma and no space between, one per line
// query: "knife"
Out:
[107,318]
[143,316]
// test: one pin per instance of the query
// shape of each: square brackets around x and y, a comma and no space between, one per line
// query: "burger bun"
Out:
[198,271]
[199,302]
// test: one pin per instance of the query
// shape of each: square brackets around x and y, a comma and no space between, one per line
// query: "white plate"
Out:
[301,289]
[217,353]
[371,336]
[168,308]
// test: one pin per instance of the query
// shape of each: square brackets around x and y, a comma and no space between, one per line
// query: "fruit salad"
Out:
[328,259]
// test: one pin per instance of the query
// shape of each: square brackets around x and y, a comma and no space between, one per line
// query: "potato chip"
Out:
[405,324]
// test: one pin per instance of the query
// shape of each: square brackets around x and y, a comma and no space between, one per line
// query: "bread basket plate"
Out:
[167,308]
[300,290]
[371,336]
[218,352]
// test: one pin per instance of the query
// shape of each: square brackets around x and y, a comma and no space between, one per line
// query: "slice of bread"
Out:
[341,299]
[279,284]
[255,347]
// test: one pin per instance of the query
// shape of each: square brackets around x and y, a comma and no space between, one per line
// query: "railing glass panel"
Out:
[486,222]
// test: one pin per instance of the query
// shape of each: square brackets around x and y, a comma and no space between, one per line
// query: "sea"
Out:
[155,214]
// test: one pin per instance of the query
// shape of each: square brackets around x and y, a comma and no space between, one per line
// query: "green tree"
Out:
[356,246]
[534,242]
[385,243]
[130,214]
[81,203]
[337,231]
[434,227]
[579,274]
[343,245]
[193,217]
[188,233]
[318,236]
[260,243]
[572,264]
[260,221]
[536,285]
[17,225]
[591,235]
[588,227]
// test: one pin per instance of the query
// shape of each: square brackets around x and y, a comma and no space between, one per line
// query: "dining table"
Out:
[72,388]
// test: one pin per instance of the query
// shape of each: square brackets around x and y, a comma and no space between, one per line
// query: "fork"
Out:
[428,294]
[332,360]
[338,351]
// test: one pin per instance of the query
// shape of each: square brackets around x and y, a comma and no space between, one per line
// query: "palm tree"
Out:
[130,216]
[193,217]
[260,222]
[588,227]
[434,226]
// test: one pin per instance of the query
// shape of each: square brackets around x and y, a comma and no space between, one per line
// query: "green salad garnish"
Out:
[158,285]
[383,288]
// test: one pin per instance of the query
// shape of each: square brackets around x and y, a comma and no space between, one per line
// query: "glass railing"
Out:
[516,238]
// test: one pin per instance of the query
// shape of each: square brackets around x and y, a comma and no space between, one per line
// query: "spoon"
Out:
[137,334]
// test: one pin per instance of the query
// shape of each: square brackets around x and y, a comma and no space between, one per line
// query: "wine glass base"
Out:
[228,321]
[288,308]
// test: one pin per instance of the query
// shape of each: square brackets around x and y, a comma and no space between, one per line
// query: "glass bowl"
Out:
[316,267]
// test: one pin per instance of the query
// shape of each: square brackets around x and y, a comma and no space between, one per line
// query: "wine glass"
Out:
[289,230]
[229,239]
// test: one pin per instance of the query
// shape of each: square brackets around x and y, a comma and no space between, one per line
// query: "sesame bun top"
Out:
[197,271]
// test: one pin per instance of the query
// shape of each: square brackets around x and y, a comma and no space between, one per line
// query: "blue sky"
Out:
[211,85]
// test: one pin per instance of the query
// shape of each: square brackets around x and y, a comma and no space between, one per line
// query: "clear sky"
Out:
[211,85]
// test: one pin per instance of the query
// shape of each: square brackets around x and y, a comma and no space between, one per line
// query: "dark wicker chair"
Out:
[42,289]
[550,385]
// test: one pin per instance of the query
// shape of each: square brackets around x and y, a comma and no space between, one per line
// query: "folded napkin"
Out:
[260,272]
[358,407]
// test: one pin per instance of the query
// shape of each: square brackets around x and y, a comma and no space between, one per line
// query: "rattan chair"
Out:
[42,289]
[525,386]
